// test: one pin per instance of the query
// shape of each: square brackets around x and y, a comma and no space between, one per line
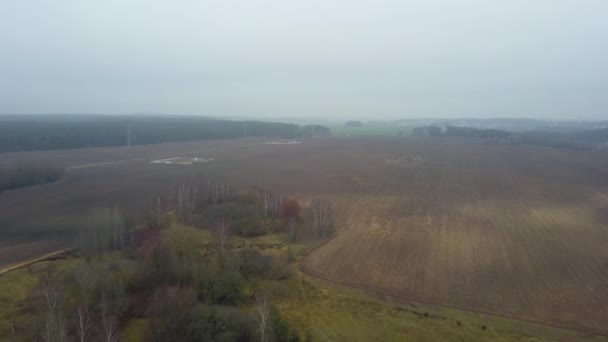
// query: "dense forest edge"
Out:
[47,132]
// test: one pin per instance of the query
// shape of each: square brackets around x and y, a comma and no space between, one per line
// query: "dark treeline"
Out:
[585,139]
[21,175]
[29,133]
[456,131]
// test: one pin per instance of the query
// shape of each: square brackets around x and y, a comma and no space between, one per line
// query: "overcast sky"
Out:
[545,59]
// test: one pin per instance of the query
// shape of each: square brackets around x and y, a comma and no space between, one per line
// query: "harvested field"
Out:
[517,231]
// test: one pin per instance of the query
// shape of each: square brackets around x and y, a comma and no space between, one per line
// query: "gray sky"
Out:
[323,58]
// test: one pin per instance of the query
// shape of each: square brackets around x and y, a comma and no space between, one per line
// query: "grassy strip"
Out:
[329,312]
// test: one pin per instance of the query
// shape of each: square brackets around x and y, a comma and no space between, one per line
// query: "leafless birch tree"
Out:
[81,315]
[83,322]
[52,289]
[108,326]
[262,315]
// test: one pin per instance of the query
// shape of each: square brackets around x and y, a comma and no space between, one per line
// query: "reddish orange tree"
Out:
[290,211]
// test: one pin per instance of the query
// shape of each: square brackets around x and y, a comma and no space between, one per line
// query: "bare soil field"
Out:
[516,231]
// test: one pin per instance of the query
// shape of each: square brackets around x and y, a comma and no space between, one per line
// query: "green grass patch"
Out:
[15,286]
[322,311]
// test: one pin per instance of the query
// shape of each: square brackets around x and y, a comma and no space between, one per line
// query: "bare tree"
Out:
[181,200]
[223,231]
[290,212]
[52,289]
[321,216]
[194,194]
[266,203]
[155,212]
[81,315]
[108,328]
[117,226]
[83,322]
[13,337]
[105,230]
[262,315]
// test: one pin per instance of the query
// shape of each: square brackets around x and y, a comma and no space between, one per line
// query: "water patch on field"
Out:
[284,142]
[182,161]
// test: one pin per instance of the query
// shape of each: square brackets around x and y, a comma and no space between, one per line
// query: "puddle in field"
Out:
[182,161]
[284,142]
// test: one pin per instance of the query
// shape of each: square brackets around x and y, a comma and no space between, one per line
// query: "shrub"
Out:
[281,329]
[210,323]
[249,227]
[222,289]
[252,263]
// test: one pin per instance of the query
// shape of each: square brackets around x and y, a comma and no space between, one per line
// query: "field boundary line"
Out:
[49,256]
[406,298]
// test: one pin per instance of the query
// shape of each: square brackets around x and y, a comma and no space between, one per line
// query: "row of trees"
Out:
[204,202]
[23,133]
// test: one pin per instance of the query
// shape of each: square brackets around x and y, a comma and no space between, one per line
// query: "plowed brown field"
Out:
[518,231]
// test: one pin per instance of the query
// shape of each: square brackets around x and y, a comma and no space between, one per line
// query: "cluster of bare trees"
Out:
[187,197]
[269,203]
[319,215]
[322,217]
[69,314]
[105,229]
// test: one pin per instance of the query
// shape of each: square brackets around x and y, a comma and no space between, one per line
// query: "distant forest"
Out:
[46,132]
[574,139]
